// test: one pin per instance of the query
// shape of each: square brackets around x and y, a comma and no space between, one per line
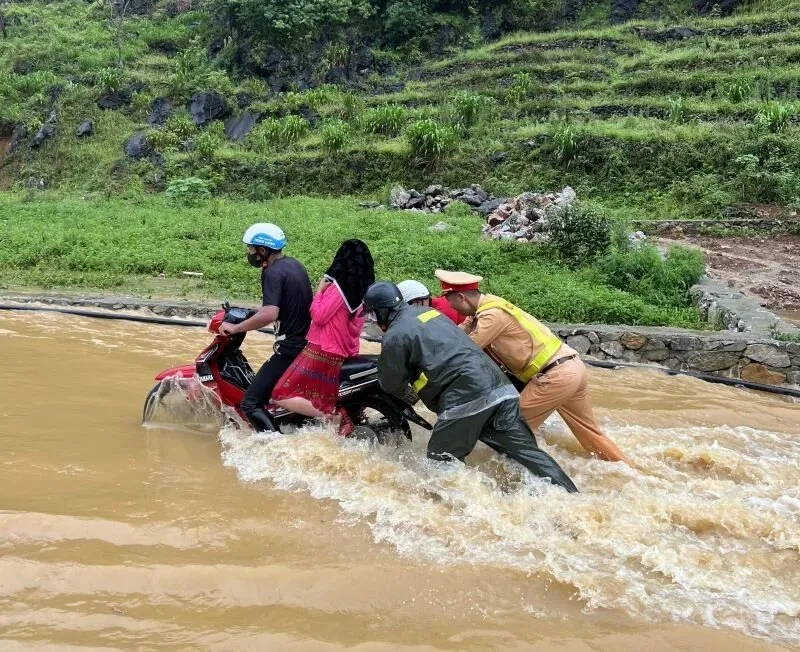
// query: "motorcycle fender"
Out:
[188,371]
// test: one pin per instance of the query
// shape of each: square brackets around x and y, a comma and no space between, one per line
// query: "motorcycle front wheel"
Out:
[378,417]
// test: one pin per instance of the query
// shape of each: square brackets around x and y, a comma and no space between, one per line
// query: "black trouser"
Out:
[259,392]
[502,428]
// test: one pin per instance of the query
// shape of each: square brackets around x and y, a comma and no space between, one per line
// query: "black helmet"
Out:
[382,298]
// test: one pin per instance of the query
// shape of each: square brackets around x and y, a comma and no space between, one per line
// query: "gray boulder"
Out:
[237,128]
[136,146]
[160,111]
[85,128]
[207,106]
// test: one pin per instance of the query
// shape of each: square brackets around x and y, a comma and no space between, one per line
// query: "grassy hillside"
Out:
[647,118]
[667,115]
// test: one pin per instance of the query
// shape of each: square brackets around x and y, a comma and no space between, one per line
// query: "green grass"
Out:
[55,242]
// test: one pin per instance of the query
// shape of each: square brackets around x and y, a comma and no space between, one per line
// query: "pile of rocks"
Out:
[524,218]
[436,198]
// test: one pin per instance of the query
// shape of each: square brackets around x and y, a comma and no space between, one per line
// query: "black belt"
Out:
[556,363]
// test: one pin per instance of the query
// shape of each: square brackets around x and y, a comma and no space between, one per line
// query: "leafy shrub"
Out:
[702,195]
[773,117]
[429,141]
[404,20]
[336,54]
[386,120]
[162,140]
[765,180]
[579,233]
[520,88]
[468,107]
[335,135]
[266,134]
[294,128]
[738,90]
[188,191]
[111,79]
[565,143]
[662,281]
[323,95]
[206,145]
[255,87]
[677,111]
[273,132]
[181,126]
[352,105]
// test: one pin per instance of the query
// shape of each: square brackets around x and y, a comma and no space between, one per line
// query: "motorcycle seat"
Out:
[361,363]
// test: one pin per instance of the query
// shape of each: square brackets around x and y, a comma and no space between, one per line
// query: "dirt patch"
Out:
[766,268]
[5,145]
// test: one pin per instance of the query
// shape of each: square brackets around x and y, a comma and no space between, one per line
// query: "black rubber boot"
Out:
[260,420]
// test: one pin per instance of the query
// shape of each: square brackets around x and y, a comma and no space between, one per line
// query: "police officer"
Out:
[471,396]
[553,375]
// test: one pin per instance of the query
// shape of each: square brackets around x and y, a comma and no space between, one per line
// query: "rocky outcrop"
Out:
[47,130]
[207,106]
[238,127]
[137,146]
[85,128]
[160,111]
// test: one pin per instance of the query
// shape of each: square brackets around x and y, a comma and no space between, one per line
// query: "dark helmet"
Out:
[382,298]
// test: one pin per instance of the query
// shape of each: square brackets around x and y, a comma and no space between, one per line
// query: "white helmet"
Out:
[412,290]
[266,235]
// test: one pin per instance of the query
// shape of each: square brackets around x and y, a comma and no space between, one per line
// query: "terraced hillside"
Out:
[649,118]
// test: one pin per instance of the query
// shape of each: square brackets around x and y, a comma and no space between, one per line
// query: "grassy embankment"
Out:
[124,245]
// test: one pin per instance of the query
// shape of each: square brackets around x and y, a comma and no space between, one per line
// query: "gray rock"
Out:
[237,128]
[684,343]
[673,363]
[434,191]
[712,360]
[85,128]
[767,354]
[593,337]
[488,207]
[416,202]
[47,130]
[471,198]
[114,101]
[207,106]
[480,192]
[793,348]
[398,197]
[160,111]
[734,345]
[136,146]
[580,343]
[613,349]
[498,157]
[793,377]
[439,227]
[566,197]
[655,355]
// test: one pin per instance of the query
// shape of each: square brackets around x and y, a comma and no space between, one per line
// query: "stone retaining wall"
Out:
[727,354]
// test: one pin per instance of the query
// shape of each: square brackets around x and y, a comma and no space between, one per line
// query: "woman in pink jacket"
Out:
[310,385]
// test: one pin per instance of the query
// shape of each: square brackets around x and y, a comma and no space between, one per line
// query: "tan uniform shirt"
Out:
[502,337]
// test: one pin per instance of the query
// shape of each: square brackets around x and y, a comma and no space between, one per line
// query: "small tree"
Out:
[117,11]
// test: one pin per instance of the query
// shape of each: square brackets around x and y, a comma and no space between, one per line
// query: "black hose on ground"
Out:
[602,364]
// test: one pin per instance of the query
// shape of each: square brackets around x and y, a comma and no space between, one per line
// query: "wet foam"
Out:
[707,532]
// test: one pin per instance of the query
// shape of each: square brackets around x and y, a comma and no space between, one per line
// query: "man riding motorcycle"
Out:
[287,296]
[471,396]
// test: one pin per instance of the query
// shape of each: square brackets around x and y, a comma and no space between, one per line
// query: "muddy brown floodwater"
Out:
[115,536]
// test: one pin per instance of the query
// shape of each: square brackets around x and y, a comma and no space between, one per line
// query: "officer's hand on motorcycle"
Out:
[227,329]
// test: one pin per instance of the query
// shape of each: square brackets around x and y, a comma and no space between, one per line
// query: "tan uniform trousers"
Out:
[565,388]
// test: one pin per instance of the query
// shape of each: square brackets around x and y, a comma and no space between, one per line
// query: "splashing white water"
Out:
[708,531]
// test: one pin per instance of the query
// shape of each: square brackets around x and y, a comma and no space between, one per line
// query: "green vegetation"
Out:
[642,123]
[62,242]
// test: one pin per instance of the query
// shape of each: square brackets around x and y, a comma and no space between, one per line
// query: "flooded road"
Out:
[118,537]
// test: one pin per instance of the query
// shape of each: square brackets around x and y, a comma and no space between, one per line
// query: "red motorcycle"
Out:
[222,372]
